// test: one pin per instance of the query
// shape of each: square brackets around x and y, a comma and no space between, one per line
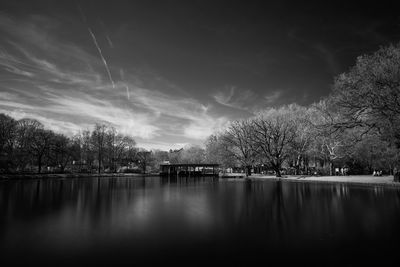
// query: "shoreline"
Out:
[69,175]
[360,180]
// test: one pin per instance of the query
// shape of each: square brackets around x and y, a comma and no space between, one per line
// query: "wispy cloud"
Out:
[328,56]
[321,50]
[273,97]
[191,117]
[166,146]
[55,125]
[237,98]
[61,85]
[225,98]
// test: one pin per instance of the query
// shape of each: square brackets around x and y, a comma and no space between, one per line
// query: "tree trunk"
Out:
[99,169]
[298,165]
[248,171]
[277,170]
[39,164]
[144,167]
[396,176]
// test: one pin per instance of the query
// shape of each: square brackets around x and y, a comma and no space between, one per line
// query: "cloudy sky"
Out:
[170,73]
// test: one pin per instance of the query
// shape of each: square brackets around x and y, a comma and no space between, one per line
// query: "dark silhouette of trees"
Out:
[63,151]
[99,139]
[26,146]
[144,158]
[40,145]
[8,131]
[33,143]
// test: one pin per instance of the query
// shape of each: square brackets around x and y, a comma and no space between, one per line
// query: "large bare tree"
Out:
[241,146]
[40,144]
[306,132]
[274,132]
[99,141]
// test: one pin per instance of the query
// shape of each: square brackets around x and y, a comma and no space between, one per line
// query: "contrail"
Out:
[84,19]
[109,41]
[102,57]
[122,74]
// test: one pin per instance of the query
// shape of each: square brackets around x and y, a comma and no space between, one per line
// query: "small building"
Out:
[201,169]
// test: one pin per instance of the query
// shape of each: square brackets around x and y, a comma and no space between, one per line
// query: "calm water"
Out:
[202,220]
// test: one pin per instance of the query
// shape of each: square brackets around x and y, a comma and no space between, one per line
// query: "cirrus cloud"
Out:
[63,85]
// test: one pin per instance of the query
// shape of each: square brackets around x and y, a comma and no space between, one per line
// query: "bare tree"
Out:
[26,129]
[241,146]
[333,143]
[218,151]
[123,146]
[8,131]
[85,153]
[175,156]
[160,157]
[306,132]
[99,139]
[63,151]
[40,144]
[274,132]
[109,153]
[193,154]
[144,157]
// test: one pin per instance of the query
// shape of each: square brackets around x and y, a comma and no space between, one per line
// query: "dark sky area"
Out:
[170,73]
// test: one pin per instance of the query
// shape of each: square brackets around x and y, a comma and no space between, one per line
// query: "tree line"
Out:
[27,147]
[356,128]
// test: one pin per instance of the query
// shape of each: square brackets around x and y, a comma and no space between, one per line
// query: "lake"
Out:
[190,221]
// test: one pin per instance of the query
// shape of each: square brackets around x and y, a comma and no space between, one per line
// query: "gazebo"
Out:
[201,169]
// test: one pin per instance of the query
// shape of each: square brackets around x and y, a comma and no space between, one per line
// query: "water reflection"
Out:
[149,219]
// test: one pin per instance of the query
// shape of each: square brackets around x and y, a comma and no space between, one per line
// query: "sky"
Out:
[170,73]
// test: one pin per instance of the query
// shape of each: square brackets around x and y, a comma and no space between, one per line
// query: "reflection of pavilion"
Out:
[189,169]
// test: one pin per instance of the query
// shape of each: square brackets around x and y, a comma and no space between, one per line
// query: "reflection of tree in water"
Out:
[303,214]
[278,203]
[262,208]
[92,198]
[273,210]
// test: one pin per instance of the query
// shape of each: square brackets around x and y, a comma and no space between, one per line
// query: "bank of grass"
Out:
[351,179]
[367,180]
